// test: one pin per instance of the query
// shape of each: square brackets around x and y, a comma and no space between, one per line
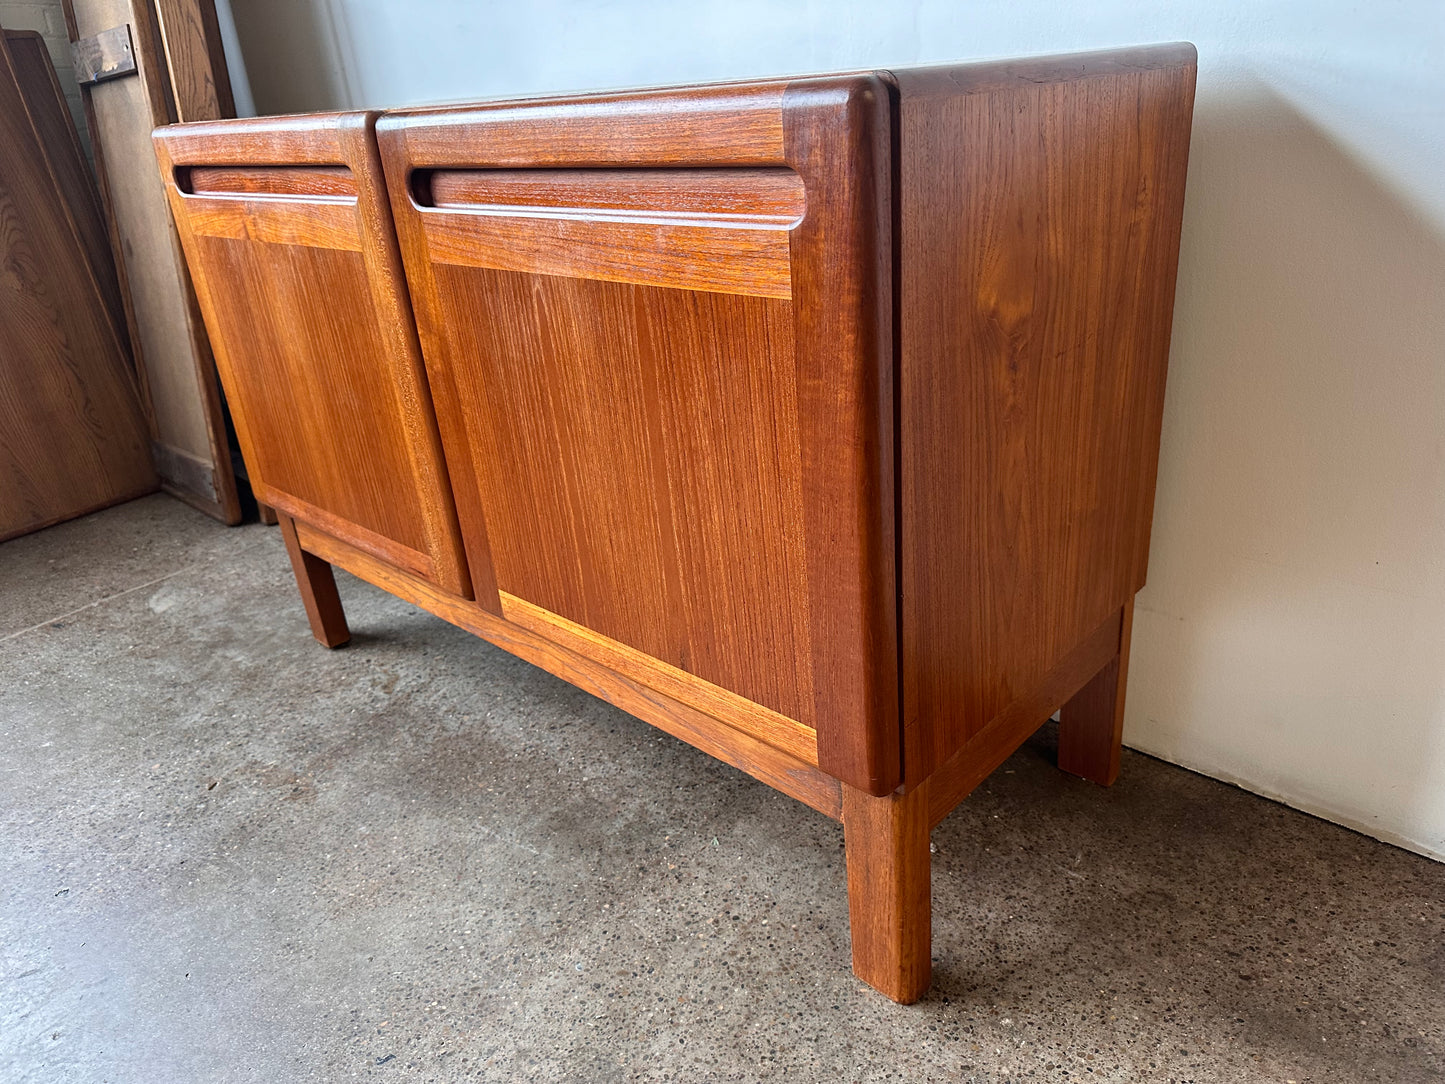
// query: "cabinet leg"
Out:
[1091,725]
[318,589]
[889,897]
[266,514]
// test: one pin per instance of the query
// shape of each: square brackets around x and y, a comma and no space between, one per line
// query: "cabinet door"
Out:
[288,235]
[657,327]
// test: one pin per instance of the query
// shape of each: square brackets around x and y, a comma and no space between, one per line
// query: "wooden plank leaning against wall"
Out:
[179,74]
[72,435]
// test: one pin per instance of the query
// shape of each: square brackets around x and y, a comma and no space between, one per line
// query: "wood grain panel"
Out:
[304,364]
[779,731]
[314,223]
[168,341]
[72,436]
[759,196]
[636,451]
[301,284]
[312,182]
[838,133]
[195,58]
[55,131]
[726,124]
[717,736]
[1037,279]
[740,261]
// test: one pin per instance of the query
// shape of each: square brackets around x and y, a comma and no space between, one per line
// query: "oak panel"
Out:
[1037,281]
[72,436]
[55,131]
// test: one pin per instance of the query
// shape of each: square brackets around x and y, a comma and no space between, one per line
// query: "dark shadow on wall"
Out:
[1292,636]
[297,55]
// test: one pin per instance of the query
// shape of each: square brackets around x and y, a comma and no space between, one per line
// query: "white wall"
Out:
[1292,636]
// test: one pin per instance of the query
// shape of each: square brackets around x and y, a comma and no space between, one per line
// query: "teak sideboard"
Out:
[814,421]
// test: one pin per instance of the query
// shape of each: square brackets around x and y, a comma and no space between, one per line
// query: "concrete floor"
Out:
[229,855]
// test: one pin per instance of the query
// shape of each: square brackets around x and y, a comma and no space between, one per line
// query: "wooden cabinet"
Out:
[287,231]
[814,421]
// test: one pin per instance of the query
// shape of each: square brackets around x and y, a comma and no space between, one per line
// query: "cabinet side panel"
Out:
[1040,232]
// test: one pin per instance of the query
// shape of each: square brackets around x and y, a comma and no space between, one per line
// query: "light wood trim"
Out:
[317,223]
[778,769]
[377,545]
[740,713]
[651,252]
[952,782]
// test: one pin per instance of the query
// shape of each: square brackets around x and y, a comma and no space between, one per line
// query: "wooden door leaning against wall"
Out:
[72,435]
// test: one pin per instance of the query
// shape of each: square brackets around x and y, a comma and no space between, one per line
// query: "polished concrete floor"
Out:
[227,854]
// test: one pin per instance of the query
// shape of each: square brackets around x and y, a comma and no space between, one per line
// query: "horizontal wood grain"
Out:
[311,182]
[720,125]
[762,196]
[778,769]
[779,731]
[682,256]
[375,543]
[314,223]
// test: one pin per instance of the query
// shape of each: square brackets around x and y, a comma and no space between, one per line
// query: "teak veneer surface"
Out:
[814,421]
[661,356]
[1040,216]
[298,275]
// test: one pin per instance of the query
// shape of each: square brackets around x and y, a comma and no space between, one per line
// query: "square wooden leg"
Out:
[318,589]
[1091,725]
[889,896]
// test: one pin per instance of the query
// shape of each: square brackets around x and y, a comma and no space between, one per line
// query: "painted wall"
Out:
[1292,636]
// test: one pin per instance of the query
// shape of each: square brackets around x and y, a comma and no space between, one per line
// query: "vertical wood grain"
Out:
[317,584]
[195,59]
[636,451]
[889,897]
[837,133]
[168,340]
[72,436]
[289,237]
[1091,723]
[1041,207]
